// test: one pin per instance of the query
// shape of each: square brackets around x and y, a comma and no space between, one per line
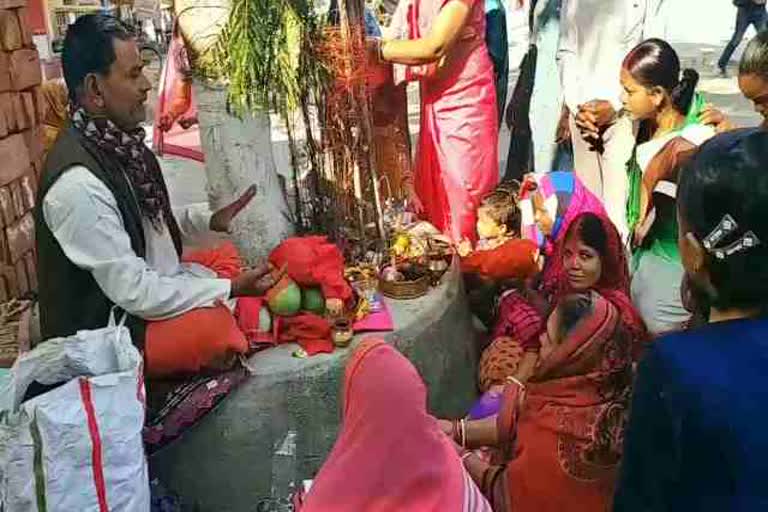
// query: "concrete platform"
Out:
[278,427]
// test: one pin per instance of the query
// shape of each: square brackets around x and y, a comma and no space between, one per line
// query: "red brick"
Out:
[14,158]
[40,104]
[21,277]
[25,69]
[28,103]
[20,120]
[33,138]
[28,189]
[5,108]
[10,31]
[29,260]
[11,283]
[21,237]
[6,207]
[26,30]
[5,72]
[4,295]
[18,200]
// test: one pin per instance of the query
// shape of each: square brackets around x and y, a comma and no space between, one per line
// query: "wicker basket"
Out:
[405,290]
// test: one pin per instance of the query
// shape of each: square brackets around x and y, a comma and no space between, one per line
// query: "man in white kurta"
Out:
[595,36]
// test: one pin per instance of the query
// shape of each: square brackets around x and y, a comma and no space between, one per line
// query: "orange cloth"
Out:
[192,341]
[202,337]
[313,261]
[514,259]
[224,260]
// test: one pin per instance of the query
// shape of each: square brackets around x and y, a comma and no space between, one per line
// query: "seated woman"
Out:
[560,433]
[55,105]
[696,437]
[590,256]
[658,98]
[549,203]
[385,420]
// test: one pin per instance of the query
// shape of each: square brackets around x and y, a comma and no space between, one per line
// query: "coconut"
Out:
[312,300]
[284,299]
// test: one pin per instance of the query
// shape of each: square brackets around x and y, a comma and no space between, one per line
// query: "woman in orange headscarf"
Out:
[390,454]
[55,103]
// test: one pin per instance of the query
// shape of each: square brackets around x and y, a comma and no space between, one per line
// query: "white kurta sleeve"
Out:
[567,55]
[83,215]
[194,221]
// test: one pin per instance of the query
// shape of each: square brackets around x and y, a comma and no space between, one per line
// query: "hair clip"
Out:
[746,242]
[727,226]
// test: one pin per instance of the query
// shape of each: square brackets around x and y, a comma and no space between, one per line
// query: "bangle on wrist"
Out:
[514,380]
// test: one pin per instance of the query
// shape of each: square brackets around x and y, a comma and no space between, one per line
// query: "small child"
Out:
[498,220]
[560,323]
[500,254]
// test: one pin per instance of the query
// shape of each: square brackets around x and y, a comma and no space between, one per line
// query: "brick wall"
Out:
[21,150]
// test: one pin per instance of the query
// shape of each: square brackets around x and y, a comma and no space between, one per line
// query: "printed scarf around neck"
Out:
[128,148]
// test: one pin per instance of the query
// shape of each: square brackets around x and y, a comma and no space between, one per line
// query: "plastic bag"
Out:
[77,446]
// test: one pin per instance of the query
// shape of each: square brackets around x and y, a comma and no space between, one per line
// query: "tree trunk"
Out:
[238,153]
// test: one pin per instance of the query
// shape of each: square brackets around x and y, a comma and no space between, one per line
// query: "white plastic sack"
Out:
[78,447]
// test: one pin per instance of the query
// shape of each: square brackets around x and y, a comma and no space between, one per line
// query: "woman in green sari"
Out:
[665,106]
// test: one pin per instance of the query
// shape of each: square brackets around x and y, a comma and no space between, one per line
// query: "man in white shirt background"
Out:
[106,233]
[595,36]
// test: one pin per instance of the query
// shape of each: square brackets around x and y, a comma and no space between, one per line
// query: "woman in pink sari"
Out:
[390,454]
[441,43]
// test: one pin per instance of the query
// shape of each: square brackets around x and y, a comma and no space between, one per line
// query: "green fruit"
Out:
[312,300]
[284,299]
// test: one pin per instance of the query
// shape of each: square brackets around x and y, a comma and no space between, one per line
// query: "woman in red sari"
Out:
[390,454]
[560,434]
[589,256]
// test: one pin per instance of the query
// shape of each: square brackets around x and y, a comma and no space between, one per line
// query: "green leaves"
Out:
[260,54]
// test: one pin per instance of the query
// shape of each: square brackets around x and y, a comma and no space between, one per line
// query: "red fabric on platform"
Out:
[311,331]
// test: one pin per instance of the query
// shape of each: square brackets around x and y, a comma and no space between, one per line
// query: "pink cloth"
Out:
[390,454]
[378,321]
[457,158]
[177,141]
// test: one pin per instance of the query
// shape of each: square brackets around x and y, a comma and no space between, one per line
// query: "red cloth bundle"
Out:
[313,261]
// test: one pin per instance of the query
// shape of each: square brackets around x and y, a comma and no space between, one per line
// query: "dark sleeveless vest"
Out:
[70,298]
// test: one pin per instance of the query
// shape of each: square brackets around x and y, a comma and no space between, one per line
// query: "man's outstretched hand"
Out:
[221,220]
[255,282]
